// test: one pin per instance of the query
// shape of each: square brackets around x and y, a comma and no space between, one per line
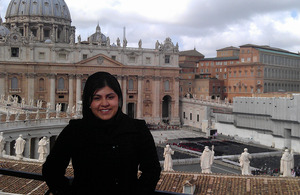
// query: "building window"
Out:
[42,55]
[41,84]
[130,84]
[184,115]
[84,56]
[198,117]
[46,33]
[114,57]
[167,59]
[243,60]
[61,84]
[14,52]
[191,116]
[248,59]
[132,59]
[225,76]
[148,60]
[167,85]
[62,56]
[14,83]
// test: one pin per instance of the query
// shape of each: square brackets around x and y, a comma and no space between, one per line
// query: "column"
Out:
[175,120]
[78,88]
[26,153]
[124,89]
[52,91]
[156,99]
[140,101]
[71,91]
[30,86]
[2,83]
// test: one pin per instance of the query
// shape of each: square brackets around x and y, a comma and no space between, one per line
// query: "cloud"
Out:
[207,25]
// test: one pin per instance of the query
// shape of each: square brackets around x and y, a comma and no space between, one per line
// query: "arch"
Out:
[166,109]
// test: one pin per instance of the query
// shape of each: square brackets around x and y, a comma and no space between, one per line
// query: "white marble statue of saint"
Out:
[2,143]
[19,147]
[42,150]
[37,116]
[17,116]
[23,102]
[207,159]
[287,163]
[168,163]
[245,162]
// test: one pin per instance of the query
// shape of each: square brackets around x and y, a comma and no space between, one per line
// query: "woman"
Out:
[106,147]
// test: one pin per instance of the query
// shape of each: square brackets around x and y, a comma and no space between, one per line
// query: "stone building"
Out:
[252,69]
[40,59]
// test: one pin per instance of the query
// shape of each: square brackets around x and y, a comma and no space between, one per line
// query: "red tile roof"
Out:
[169,181]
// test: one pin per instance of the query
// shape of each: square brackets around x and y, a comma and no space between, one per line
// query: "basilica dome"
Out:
[40,20]
[34,8]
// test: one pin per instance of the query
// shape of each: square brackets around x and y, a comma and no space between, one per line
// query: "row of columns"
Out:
[156,93]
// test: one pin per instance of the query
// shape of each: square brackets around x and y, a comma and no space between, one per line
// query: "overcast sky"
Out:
[206,25]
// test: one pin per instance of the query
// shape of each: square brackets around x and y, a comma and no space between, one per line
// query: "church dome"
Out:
[36,8]
[3,30]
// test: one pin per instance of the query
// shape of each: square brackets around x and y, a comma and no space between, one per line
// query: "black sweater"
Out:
[106,156]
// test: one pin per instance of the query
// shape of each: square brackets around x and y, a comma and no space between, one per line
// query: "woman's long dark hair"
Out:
[97,81]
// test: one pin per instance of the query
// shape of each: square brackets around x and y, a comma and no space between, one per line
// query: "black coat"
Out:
[105,157]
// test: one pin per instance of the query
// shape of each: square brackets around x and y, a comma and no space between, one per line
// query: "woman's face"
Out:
[105,103]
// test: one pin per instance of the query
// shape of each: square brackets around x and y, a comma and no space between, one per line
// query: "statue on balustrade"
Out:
[207,159]
[19,147]
[43,150]
[2,144]
[168,163]
[287,163]
[245,162]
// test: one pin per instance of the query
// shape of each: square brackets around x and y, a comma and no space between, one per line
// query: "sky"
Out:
[206,25]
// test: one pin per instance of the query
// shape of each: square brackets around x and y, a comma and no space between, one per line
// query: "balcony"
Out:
[16,90]
[62,91]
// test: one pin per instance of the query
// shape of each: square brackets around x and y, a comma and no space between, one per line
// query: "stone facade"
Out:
[46,63]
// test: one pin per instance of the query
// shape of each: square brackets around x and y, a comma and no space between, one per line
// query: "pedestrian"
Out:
[106,147]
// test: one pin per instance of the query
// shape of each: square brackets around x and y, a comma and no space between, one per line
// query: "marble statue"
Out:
[79,39]
[17,116]
[19,147]
[245,162]
[7,116]
[2,143]
[42,150]
[37,116]
[108,41]
[125,42]
[157,45]
[118,42]
[23,102]
[287,163]
[26,115]
[207,159]
[140,44]
[168,163]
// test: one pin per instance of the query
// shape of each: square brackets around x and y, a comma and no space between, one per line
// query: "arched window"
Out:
[14,83]
[61,84]
[41,84]
[130,84]
[167,85]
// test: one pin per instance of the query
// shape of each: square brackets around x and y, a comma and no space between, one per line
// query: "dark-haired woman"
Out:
[106,147]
